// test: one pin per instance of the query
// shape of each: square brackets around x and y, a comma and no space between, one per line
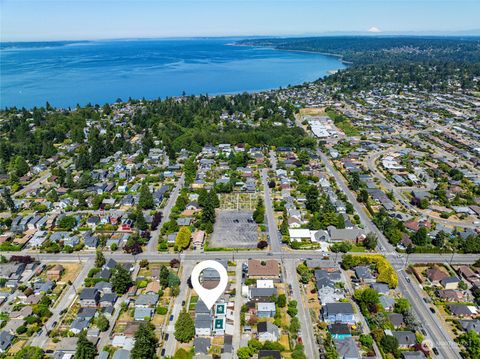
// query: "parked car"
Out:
[171,317]
[432,310]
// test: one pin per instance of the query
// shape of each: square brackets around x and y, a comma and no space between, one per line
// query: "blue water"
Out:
[70,73]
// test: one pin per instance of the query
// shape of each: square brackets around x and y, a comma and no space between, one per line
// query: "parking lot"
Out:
[234,229]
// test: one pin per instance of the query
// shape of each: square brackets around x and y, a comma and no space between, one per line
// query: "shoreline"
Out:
[331,54]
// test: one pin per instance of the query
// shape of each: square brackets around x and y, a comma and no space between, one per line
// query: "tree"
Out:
[140,221]
[182,240]
[67,222]
[184,327]
[284,226]
[363,196]
[244,353]
[401,306]
[368,299]
[471,342]
[102,323]
[370,242]
[312,199]
[389,344]
[85,348]
[420,237]
[99,259]
[121,280]
[294,326]
[282,300]
[366,340]
[146,342]
[20,166]
[259,213]
[146,199]
[262,244]
[157,218]
[304,272]
[355,181]
[343,247]
[29,352]
[298,352]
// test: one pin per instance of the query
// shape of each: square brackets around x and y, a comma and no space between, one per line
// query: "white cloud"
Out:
[374,29]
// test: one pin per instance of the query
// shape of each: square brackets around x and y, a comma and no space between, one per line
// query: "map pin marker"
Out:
[209,296]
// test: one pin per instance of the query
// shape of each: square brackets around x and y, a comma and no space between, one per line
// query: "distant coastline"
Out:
[338,56]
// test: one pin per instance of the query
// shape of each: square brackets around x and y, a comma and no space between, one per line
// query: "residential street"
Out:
[440,338]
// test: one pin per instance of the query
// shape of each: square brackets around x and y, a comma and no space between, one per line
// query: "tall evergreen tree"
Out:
[146,342]
[85,348]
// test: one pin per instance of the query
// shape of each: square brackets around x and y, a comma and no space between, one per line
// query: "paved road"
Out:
[275,240]
[171,343]
[398,192]
[234,255]
[36,183]
[236,342]
[152,246]
[439,337]
[65,301]
[308,338]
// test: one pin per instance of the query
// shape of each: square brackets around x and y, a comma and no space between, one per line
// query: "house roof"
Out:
[338,308]
[405,337]
[267,268]
[396,319]
[263,327]
[275,354]
[435,274]
[201,345]
[347,348]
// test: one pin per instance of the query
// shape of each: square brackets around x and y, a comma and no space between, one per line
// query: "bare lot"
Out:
[234,229]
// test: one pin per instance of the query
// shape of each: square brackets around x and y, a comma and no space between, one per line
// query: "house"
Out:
[89,297]
[435,275]
[413,355]
[269,354]
[108,300]
[267,331]
[450,282]
[146,300]
[450,295]
[396,319]
[339,330]
[121,354]
[364,274]
[340,235]
[387,302]
[265,269]
[203,325]
[462,310]
[78,325]
[22,313]
[468,325]
[406,339]
[261,294]
[104,287]
[347,348]
[42,286]
[266,310]
[381,288]
[201,345]
[55,273]
[142,313]
[5,341]
[153,287]
[467,273]
[86,313]
[338,313]
[91,242]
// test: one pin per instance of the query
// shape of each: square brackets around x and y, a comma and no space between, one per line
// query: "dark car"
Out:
[432,310]
[166,336]
[162,354]
[435,350]
[171,317]
[183,303]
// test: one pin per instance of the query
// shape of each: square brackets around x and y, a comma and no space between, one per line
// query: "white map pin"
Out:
[209,296]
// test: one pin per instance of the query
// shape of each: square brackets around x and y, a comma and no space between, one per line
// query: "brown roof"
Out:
[56,269]
[268,268]
[450,294]
[466,272]
[152,287]
[436,275]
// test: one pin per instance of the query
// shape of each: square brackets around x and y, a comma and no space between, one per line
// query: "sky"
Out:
[39,20]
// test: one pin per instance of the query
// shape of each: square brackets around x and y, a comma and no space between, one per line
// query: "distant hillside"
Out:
[361,50]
